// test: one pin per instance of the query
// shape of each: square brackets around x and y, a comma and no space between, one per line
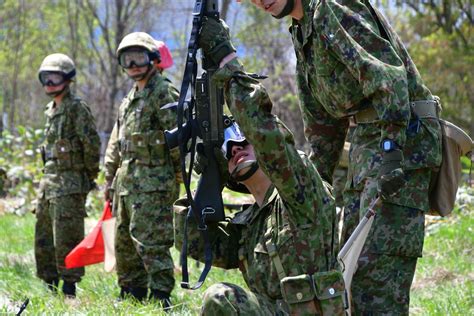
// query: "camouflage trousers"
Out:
[386,267]
[143,237]
[59,228]
[230,299]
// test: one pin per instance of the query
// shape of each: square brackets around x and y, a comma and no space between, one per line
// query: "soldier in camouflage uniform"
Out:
[351,63]
[284,244]
[143,174]
[3,180]
[71,162]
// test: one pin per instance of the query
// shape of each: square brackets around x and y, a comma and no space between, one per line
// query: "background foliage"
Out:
[438,34]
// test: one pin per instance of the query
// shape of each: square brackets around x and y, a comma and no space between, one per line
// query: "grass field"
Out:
[443,283]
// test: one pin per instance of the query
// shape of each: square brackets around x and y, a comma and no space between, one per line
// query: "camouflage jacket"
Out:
[346,63]
[71,150]
[297,215]
[137,158]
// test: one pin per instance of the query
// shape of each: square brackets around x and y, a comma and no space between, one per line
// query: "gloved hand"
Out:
[391,177]
[201,162]
[108,196]
[214,40]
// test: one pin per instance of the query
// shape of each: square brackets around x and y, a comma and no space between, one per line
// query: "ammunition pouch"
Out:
[455,143]
[322,293]
[63,155]
[146,148]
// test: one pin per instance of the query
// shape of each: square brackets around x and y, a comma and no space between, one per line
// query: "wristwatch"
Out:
[388,145]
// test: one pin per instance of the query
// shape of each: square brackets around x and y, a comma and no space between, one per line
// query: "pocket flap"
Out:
[328,284]
[297,289]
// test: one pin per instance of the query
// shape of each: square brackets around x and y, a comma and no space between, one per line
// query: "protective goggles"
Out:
[52,79]
[137,58]
[232,136]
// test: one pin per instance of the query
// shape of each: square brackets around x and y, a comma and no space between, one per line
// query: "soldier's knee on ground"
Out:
[229,299]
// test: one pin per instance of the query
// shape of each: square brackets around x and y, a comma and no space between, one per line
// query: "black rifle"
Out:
[204,119]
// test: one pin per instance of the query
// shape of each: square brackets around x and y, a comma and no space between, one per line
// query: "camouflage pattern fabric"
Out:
[71,157]
[59,228]
[3,180]
[143,171]
[71,148]
[144,236]
[347,63]
[297,215]
[230,299]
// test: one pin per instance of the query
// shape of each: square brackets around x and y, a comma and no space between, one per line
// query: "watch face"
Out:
[387,145]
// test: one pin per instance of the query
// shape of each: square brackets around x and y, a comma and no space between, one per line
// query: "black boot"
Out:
[69,289]
[124,292]
[53,285]
[139,293]
[162,297]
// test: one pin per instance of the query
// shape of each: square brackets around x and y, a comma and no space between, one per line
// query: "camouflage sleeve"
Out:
[297,182]
[351,34]
[168,117]
[112,154]
[325,133]
[87,133]
[223,236]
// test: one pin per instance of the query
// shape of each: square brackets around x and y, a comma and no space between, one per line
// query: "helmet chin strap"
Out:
[251,164]
[56,93]
[143,76]
[290,4]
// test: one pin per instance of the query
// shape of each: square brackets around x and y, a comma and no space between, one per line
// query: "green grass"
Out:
[443,283]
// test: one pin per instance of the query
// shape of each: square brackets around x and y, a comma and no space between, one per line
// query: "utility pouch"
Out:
[455,143]
[157,147]
[140,146]
[318,294]
[299,294]
[63,151]
[329,288]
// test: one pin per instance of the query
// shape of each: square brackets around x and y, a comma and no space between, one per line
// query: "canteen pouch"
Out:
[319,294]
[63,150]
[455,143]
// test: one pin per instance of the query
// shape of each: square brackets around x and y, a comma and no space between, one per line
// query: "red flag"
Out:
[91,249]
[166,61]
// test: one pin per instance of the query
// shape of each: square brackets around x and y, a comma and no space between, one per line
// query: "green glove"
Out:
[391,177]
[214,40]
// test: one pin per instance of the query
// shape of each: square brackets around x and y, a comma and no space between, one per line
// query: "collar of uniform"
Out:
[149,87]
[306,22]
[52,111]
[271,194]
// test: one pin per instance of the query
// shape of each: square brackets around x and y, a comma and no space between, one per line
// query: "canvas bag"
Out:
[455,144]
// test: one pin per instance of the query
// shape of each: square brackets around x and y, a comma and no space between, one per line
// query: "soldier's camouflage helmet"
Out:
[58,63]
[137,39]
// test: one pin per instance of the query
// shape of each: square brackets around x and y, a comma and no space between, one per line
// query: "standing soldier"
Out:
[71,162]
[351,63]
[143,173]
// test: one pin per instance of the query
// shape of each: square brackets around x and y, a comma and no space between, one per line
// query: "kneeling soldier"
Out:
[285,243]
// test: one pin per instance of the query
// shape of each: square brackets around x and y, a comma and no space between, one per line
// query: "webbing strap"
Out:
[271,248]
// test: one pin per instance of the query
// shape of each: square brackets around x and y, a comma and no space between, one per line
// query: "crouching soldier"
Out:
[71,154]
[285,243]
